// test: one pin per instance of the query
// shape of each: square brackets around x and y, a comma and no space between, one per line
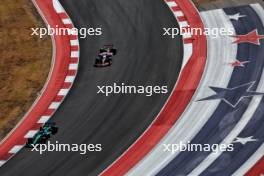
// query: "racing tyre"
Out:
[43,140]
[47,136]
[29,142]
[114,51]
[54,130]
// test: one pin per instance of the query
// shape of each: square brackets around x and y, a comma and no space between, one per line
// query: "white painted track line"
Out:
[221,51]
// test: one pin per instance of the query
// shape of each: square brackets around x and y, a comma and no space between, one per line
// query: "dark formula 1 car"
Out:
[42,135]
[105,55]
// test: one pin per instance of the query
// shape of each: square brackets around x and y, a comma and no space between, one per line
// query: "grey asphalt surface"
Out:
[145,57]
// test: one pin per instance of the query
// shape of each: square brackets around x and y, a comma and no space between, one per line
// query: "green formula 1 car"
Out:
[42,135]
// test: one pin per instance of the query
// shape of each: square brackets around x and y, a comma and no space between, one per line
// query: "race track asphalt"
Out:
[145,57]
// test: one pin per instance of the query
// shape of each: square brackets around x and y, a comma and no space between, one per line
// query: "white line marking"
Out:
[250,162]
[187,35]
[245,119]
[74,42]
[54,105]
[75,54]
[63,92]
[57,6]
[171,4]
[183,24]
[178,13]
[73,66]
[44,119]
[187,53]
[2,162]
[69,79]
[189,125]
[66,21]
[15,149]
[31,134]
